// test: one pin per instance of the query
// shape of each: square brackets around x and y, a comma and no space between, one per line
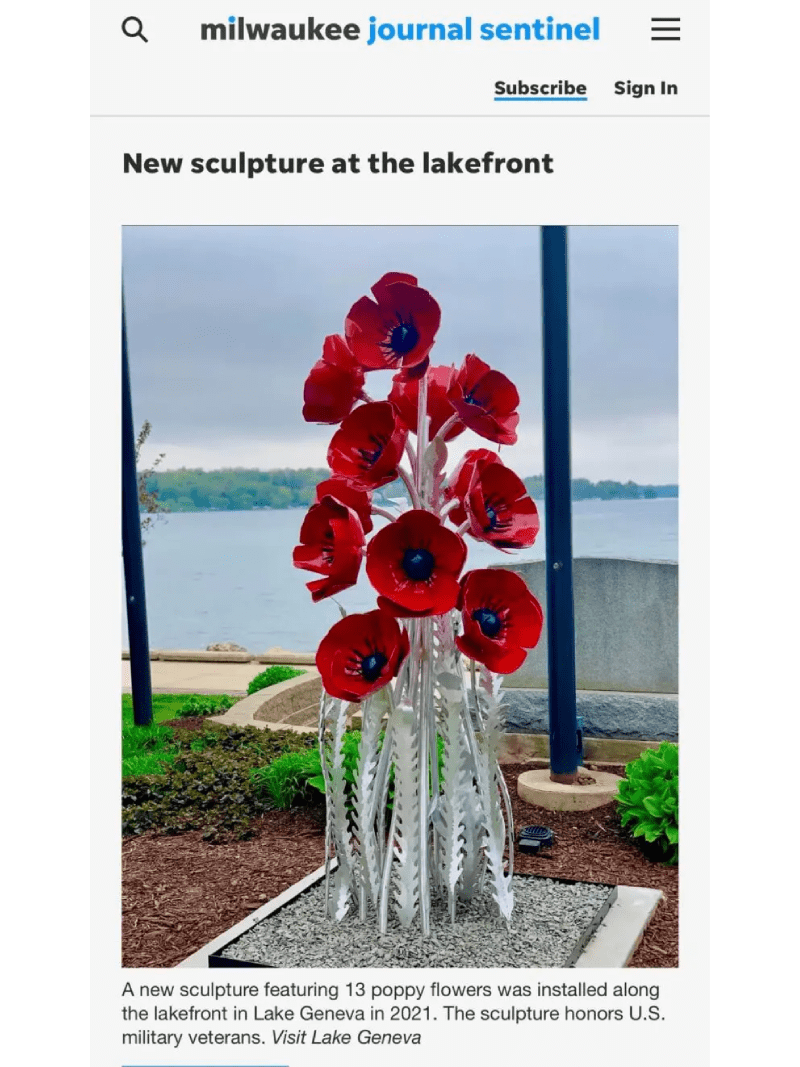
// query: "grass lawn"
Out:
[146,748]
[165,706]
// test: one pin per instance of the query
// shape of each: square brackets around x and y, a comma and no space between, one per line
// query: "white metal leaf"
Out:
[406,813]
[364,804]
[454,773]
[332,759]
[435,460]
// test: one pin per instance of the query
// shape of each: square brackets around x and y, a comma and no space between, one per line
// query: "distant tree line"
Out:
[235,488]
[583,489]
[242,489]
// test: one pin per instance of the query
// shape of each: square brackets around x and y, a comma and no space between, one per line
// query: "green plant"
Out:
[207,783]
[147,749]
[286,780]
[165,706]
[204,705]
[150,749]
[648,799]
[289,778]
[271,676]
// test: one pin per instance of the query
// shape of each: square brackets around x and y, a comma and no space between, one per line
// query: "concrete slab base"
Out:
[619,934]
[535,787]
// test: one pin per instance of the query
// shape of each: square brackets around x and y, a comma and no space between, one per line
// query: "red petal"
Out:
[498,391]
[500,660]
[379,287]
[358,500]
[330,392]
[385,604]
[336,352]
[413,303]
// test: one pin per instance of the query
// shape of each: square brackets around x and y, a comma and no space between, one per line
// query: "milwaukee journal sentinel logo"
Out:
[236,28]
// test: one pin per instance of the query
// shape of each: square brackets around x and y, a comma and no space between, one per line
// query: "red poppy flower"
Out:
[397,329]
[358,500]
[405,397]
[335,383]
[499,509]
[331,543]
[486,401]
[501,617]
[415,562]
[459,482]
[360,654]
[368,445]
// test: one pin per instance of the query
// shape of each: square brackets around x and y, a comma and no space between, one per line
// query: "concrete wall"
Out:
[626,626]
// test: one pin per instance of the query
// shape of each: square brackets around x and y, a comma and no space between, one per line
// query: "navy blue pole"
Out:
[564,740]
[132,555]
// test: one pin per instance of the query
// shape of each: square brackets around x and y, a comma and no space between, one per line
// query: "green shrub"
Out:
[648,799]
[287,779]
[207,785]
[271,676]
[204,705]
[290,779]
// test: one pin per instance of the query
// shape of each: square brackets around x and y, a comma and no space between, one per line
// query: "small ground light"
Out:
[533,838]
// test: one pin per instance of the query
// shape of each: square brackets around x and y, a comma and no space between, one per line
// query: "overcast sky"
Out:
[224,324]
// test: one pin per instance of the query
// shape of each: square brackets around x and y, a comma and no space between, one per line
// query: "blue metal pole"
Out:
[564,740]
[132,555]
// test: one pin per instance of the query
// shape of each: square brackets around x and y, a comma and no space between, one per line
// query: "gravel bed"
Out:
[550,918]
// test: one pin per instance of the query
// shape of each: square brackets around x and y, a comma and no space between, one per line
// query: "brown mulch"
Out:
[179,892]
[192,722]
[188,722]
[591,846]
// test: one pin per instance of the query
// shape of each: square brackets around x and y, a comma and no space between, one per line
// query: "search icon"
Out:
[132,27]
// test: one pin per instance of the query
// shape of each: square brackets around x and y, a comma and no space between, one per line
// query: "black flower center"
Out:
[491,514]
[470,398]
[372,665]
[403,338]
[418,564]
[488,620]
[371,456]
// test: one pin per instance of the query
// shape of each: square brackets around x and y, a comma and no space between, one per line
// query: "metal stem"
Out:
[383,514]
[412,491]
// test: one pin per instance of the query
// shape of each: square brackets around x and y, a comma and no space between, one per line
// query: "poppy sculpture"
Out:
[397,329]
[331,543]
[431,656]
[492,502]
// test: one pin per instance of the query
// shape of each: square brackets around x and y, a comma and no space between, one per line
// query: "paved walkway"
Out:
[293,704]
[168,676]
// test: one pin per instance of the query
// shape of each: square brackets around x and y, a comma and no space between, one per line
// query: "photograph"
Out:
[399,632]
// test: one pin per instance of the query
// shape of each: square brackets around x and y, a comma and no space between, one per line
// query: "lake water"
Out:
[228,575]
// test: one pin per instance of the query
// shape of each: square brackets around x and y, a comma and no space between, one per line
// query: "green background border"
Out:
[45,417]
